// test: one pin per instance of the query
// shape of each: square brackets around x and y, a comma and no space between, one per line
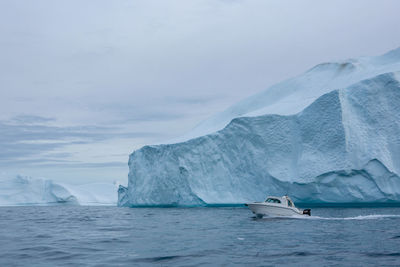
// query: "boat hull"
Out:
[261,210]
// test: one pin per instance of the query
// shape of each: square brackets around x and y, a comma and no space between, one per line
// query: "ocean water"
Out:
[112,236]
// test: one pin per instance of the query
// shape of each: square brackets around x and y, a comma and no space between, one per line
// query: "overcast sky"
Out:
[84,83]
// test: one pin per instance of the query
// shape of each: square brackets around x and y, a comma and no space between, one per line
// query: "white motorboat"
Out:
[276,206]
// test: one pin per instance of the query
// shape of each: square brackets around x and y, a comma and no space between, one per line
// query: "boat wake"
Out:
[360,217]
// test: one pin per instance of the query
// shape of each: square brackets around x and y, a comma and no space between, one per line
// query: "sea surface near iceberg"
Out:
[112,236]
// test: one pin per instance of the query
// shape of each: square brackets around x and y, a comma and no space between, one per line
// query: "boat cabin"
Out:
[284,201]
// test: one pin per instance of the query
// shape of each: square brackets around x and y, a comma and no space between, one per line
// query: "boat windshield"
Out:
[272,200]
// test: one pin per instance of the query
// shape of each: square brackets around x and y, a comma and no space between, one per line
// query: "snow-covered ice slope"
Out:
[330,135]
[293,95]
[29,191]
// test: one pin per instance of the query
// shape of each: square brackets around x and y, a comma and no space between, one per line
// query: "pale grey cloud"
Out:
[24,140]
[28,119]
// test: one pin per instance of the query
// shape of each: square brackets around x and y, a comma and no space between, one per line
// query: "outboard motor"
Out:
[307,212]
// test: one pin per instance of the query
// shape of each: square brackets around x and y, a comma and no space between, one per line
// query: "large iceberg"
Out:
[22,190]
[330,135]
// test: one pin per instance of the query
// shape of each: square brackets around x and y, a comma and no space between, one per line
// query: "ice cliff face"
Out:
[308,137]
[29,191]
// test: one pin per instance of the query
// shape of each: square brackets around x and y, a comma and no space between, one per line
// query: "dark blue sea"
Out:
[112,236]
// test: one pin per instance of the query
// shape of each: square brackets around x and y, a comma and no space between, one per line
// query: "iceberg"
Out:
[330,135]
[22,190]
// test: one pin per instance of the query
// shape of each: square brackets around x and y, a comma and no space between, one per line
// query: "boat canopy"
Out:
[272,200]
[285,201]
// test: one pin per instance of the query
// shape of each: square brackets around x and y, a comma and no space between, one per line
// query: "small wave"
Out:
[376,254]
[159,259]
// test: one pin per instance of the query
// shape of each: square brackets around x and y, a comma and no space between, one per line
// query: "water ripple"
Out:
[108,236]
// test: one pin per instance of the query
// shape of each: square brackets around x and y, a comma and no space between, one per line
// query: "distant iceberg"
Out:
[23,190]
[329,135]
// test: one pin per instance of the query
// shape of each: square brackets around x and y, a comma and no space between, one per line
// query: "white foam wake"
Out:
[360,217]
